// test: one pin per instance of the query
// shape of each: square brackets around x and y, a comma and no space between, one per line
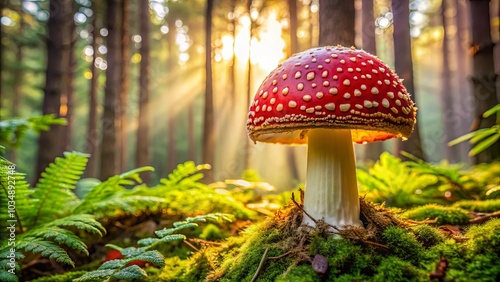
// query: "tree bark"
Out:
[49,143]
[109,158]
[171,118]
[92,144]
[208,121]
[373,150]
[123,97]
[404,68]
[484,77]
[69,94]
[143,151]
[336,18]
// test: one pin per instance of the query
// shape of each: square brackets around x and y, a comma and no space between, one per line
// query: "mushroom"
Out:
[328,98]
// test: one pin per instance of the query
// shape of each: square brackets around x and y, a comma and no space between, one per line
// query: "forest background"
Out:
[162,82]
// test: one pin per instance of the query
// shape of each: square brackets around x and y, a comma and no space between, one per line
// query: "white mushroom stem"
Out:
[331,190]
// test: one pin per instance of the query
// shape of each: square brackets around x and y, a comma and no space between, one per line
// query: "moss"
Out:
[479,206]
[484,268]
[403,244]
[428,236]
[394,269]
[484,238]
[68,276]
[212,232]
[444,215]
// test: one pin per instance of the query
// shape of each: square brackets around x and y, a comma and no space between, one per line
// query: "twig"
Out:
[191,245]
[302,209]
[261,265]
[484,218]
[281,256]
[375,244]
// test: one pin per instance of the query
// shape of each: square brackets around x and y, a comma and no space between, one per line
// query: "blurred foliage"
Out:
[12,131]
[483,138]
[479,206]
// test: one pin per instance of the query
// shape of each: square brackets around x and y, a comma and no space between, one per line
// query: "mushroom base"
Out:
[331,192]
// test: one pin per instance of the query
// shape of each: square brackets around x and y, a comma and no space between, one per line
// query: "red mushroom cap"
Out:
[331,87]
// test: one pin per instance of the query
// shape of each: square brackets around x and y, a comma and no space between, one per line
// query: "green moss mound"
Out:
[487,206]
[444,215]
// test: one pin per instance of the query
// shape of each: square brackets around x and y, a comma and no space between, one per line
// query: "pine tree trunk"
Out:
[373,150]
[484,77]
[404,68]
[171,119]
[49,143]
[109,158]
[208,121]
[92,144]
[17,77]
[143,151]
[191,138]
[336,22]
[67,131]
[447,89]
[123,97]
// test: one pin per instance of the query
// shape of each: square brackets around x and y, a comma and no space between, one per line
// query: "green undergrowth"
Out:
[479,206]
[443,215]
[402,252]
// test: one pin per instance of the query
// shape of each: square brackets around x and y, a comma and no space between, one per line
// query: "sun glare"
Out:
[266,49]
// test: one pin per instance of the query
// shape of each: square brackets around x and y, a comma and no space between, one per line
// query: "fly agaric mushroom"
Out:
[327,98]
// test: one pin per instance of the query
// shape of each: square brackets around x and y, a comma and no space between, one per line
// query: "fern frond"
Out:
[54,190]
[84,222]
[13,188]
[109,192]
[60,236]
[45,248]
[186,172]
[164,239]
[154,257]
[130,273]
[96,275]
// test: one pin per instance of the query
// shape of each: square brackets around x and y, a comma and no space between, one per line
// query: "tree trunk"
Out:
[191,138]
[92,144]
[208,121]
[447,89]
[336,22]
[142,151]
[404,68]
[109,158]
[123,97]
[294,48]
[484,77]
[372,150]
[68,96]
[171,119]
[57,65]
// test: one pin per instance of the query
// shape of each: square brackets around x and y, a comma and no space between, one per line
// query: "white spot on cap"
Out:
[369,76]
[400,95]
[340,70]
[347,95]
[313,60]
[387,81]
[381,69]
[390,95]
[264,108]
[303,108]
[269,108]
[398,102]
[306,98]
[285,76]
[292,104]
[375,71]
[310,110]
[344,107]
[374,90]
[394,110]
[335,77]
[357,93]
[319,95]
[272,101]
[379,82]
[334,56]
[359,106]
[330,106]
[346,82]
[284,91]
[300,86]
[327,61]
[326,83]
[333,91]
[313,85]
[310,75]
[367,104]
[298,74]
[320,67]
[279,107]
[375,103]
[257,109]
[265,95]
[370,61]
[350,69]
[318,107]
[363,63]
[358,69]
[353,59]
[363,87]
[274,82]
[342,61]
[385,103]
[324,74]
[275,89]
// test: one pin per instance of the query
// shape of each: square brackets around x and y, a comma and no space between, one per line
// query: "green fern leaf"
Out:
[45,248]
[130,273]
[100,275]
[178,226]
[186,172]
[7,276]
[110,192]
[153,257]
[54,190]
[84,222]
[114,264]
[60,236]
